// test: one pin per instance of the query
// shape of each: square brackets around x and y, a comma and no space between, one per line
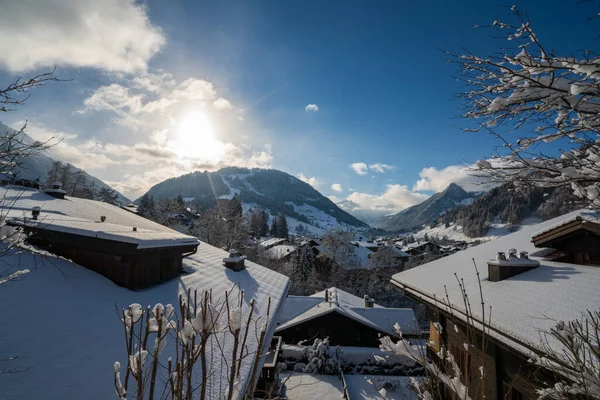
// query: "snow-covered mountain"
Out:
[426,212]
[366,215]
[273,190]
[37,166]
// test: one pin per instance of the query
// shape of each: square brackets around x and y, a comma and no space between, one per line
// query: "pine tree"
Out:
[282,225]
[275,227]
[146,208]
[264,226]
[53,174]
[108,195]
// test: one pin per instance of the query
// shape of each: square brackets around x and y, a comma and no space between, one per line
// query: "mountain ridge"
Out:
[427,211]
[273,190]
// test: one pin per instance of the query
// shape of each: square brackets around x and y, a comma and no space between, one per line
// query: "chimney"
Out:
[235,261]
[502,268]
[56,191]
[368,301]
[35,212]
[135,229]
[103,218]
[326,295]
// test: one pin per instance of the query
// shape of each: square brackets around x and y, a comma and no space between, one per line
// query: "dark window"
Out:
[510,393]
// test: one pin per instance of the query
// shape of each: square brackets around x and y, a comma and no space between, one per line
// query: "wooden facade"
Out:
[508,373]
[340,329]
[120,262]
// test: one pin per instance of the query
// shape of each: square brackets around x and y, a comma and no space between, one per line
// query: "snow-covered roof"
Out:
[302,386]
[417,244]
[271,242]
[305,308]
[278,252]
[583,217]
[398,251]
[523,305]
[143,238]
[368,244]
[83,217]
[364,387]
[66,335]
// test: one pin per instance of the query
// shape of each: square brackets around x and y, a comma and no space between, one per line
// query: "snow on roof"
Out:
[271,242]
[523,305]
[66,335]
[399,252]
[144,238]
[417,245]
[278,252]
[18,202]
[83,217]
[303,386]
[584,216]
[367,244]
[305,308]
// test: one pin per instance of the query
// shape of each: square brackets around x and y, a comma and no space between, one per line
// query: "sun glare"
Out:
[196,138]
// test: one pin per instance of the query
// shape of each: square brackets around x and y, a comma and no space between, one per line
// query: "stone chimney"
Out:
[235,261]
[503,267]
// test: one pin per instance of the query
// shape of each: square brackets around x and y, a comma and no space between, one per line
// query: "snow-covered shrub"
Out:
[321,359]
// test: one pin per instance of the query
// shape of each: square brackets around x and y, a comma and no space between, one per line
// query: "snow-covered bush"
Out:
[321,359]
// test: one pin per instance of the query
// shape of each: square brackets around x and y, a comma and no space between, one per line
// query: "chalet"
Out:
[347,320]
[127,251]
[75,306]
[549,273]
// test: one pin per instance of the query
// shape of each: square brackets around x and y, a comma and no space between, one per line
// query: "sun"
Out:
[196,138]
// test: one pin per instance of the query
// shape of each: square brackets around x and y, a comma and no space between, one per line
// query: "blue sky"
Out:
[151,82]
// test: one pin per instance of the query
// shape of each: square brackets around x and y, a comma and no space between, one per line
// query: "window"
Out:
[510,393]
[463,359]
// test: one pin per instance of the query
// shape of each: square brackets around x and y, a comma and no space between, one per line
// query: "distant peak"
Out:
[454,188]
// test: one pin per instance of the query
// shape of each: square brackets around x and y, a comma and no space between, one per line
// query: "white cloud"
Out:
[395,198]
[312,181]
[381,168]
[311,108]
[359,167]
[222,104]
[336,187]
[113,35]
[437,180]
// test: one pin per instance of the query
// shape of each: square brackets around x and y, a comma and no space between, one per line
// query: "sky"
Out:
[354,97]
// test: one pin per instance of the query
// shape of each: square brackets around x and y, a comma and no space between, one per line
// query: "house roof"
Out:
[301,309]
[565,227]
[65,330]
[523,305]
[399,252]
[82,217]
[271,242]
[301,386]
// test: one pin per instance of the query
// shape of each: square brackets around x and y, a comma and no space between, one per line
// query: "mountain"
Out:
[426,212]
[37,166]
[366,215]
[270,189]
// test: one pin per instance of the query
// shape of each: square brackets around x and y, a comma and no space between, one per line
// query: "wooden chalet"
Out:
[554,277]
[345,319]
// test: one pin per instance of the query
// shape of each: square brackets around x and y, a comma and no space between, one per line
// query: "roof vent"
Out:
[103,218]
[56,191]
[369,302]
[35,212]
[135,229]
[235,261]
[502,267]
[57,185]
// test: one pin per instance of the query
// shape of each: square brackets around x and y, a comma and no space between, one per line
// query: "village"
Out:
[315,200]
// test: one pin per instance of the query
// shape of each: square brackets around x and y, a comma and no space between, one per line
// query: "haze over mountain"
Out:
[37,166]
[273,190]
[426,212]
